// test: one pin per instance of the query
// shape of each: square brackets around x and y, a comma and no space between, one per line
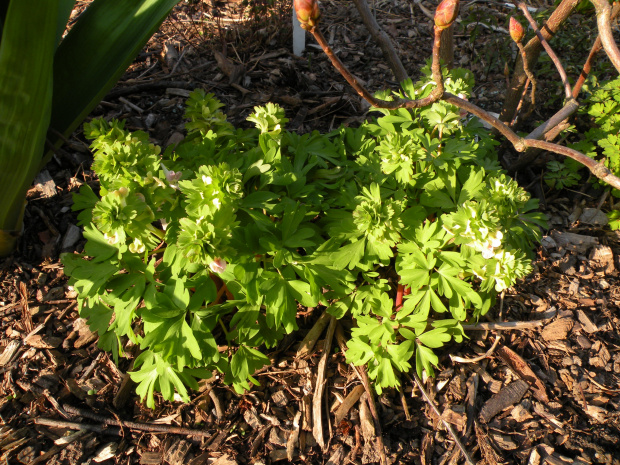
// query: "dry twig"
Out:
[152,428]
[488,353]
[447,425]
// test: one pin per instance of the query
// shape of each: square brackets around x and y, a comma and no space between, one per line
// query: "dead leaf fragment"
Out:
[597,413]
[521,368]
[572,241]
[593,216]
[586,323]
[558,329]
[602,258]
[368,427]
[42,341]
[507,396]
[349,401]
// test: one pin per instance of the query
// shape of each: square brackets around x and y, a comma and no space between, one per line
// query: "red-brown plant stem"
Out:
[548,49]
[398,302]
[485,116]
[597,169]
[520,144]
[530,78]
[603,20]
[523,94]
[596,47]
[532,49]
[587,66]
[435,94]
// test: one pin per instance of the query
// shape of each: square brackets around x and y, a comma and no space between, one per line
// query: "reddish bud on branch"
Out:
[516,30]
[446,13]
[308,13]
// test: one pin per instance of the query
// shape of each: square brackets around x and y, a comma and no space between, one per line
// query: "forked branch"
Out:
[445,15]
[603,20]
[554,58]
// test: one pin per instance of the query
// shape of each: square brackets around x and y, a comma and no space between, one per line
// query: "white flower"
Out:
[467,228]
[216,202]
[207,179]
[111,239]
[218,265]
[487,250]
[492,243]
[137,246]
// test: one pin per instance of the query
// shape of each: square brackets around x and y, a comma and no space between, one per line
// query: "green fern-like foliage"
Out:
[219,241]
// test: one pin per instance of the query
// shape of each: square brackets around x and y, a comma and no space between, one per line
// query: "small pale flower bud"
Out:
[218,265]
[516,30]
[137,246]
[446,13]
[113,239]
[172,177]
[308,13]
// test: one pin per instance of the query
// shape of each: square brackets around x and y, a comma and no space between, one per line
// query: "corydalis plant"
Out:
[256,223]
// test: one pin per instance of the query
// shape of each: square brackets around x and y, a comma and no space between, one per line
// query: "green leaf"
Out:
[281,306]
[301,291]
[425,359]
[350,255]
[243,364]
[401,354]
[100,46]
[434,338]
[26,59]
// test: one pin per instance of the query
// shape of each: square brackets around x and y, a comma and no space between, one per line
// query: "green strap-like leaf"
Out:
[97,51]
[26,56]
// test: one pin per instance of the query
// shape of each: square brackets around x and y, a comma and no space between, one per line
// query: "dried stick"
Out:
[375,415]
[456,358]
[532,50]
[132,425]
[382,39]
[505,326]
[317,398]
[603,20]
[77,426]
[556,61]
[363,376]
[447,425]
